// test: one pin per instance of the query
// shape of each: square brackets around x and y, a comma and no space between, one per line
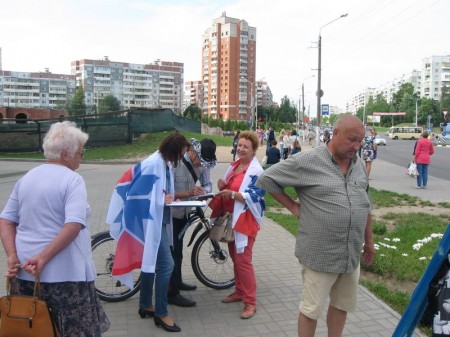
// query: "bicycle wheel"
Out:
[211,263]
[109,289]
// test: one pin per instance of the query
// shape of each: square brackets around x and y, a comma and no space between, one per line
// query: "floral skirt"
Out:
[76,308]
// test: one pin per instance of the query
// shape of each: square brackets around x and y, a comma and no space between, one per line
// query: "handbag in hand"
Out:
[25,316]
[221,228]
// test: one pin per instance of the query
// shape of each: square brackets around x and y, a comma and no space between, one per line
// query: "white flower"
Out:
[404,254]
[422,258]
[396,239]
[387,239]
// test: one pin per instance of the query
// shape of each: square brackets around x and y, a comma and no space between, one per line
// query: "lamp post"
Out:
[319,92]
[251,104]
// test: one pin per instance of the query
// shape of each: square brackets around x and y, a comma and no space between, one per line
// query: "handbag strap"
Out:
[190,168]
[36,289]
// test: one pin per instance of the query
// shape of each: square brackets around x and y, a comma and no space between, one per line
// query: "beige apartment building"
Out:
[228,69]
[20,89]
[158,84]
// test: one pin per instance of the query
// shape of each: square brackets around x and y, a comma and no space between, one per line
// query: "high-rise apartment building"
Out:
[35,90]
[193,94]
[264,95]
[159,84]
[228,69]
[435,74]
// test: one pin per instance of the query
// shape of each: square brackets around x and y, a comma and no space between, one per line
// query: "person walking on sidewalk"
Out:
[239,196]
[335,222]
[195,165]
[422,152]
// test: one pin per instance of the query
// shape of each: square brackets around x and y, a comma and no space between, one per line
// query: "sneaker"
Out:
[418,187]
[232,298]
[424,187]
[248,312]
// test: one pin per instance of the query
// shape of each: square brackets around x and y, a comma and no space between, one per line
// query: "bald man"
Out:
[334,222]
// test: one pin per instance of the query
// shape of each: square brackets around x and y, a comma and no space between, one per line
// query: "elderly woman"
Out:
[44,229]
[239,196]
[141,221]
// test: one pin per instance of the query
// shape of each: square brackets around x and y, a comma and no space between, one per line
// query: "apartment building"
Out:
[435,74]
[228,69]
[427,83]
[35,90]
[159,84]
[193,94]
[264,95]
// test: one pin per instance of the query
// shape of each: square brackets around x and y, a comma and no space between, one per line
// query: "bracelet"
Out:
[233,195]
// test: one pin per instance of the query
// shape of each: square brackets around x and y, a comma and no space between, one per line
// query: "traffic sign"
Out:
[325,109]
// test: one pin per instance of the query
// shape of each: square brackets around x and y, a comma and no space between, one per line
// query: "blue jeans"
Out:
[422,178]
[164,267]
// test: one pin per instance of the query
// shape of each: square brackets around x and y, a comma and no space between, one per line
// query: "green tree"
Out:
[108,103]
[404,100]
[192,112]
[77,105]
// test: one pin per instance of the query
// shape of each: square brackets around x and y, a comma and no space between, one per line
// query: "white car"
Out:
[380,141]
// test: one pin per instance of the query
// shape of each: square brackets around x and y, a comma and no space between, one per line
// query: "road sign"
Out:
[325,109]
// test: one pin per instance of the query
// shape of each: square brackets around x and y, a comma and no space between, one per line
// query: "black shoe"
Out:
[181,301]
[169,328]
[144,313]
[187,286]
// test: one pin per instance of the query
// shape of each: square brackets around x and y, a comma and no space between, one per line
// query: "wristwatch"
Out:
[233,195]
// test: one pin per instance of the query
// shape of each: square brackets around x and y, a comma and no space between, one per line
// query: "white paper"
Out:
[187,203]
[203,196]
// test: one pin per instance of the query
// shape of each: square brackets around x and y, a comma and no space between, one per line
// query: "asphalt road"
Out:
[399,152]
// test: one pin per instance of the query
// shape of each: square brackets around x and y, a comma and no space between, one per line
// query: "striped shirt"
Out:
[334,207]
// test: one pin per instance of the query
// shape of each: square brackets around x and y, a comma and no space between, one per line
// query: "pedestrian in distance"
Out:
[239,196]
[44,230]
[296,148]
[281,141]
[423,151]
[235,141]
[273,155]
[369,149]
[141,222]
[195,165]
[331,183]
[270,137]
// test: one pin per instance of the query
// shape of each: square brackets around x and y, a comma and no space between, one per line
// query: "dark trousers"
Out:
[177,255]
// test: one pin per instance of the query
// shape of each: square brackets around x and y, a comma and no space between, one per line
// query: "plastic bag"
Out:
[412,170]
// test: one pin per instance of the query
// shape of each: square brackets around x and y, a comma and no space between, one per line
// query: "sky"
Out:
[379,40]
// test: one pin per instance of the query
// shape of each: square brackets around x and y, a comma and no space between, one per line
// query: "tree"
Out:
[193,112]
[77,106]
[108,103]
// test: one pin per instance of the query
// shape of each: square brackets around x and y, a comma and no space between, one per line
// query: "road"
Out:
[399,152]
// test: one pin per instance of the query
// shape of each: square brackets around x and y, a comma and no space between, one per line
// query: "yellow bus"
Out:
[405,132]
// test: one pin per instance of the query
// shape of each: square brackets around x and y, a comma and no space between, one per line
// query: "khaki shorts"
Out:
[317,286]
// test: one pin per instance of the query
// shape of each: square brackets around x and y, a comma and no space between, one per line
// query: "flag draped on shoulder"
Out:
[135,216]
[248,216]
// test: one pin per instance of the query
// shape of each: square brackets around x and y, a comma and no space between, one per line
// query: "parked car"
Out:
[379,140]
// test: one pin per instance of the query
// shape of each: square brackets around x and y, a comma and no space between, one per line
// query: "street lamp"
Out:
[251,103]
[319,92]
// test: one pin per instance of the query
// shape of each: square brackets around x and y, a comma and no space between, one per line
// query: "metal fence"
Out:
[113,128]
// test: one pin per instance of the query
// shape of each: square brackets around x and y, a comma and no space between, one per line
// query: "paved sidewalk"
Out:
[277,270]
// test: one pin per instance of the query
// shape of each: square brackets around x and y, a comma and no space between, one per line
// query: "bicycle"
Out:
[209,259]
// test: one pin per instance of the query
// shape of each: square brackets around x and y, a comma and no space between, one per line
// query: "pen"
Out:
[165,192]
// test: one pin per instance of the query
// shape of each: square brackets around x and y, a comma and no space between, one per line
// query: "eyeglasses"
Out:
[81,153]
